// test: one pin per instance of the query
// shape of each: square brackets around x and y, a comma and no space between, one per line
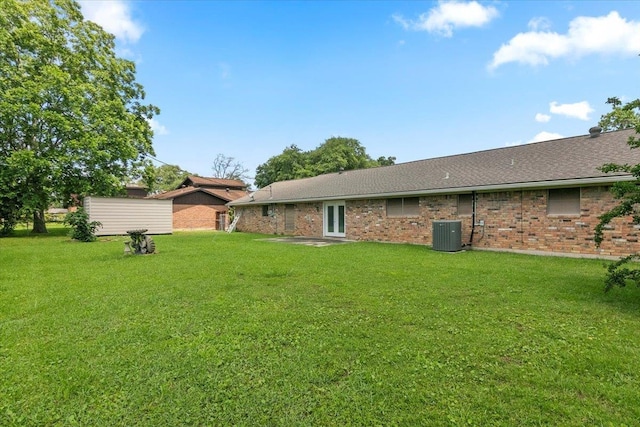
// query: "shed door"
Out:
[289,217]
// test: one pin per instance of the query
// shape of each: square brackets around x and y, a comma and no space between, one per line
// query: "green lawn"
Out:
[228,329]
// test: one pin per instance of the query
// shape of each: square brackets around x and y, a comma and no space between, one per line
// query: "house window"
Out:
[406,206]
[563,201]
[265,210]
[465,204]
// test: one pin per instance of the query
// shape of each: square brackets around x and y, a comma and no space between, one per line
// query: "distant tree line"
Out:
[334,155]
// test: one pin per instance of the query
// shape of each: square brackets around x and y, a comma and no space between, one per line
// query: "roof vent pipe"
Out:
[594,132]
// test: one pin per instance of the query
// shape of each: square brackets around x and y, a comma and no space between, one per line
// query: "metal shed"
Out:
[118,215]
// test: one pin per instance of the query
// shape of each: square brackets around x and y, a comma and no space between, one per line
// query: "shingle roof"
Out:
[219,193]
[567,161]
[203,181]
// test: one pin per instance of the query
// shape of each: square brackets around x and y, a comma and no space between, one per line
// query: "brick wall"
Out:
[308,219]
[196,217]
[512,220]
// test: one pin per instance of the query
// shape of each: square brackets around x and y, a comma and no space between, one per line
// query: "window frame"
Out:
[564,201]
[403,210]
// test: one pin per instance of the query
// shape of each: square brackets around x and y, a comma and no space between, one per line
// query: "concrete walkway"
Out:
[309,241]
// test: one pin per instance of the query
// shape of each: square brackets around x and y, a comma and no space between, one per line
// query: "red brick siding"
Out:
[308,220]
[512,220]
[196,217]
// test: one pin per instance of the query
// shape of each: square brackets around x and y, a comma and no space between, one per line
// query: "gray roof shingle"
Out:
[567,161]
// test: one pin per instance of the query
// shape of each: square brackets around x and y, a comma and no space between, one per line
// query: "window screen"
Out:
[564,201]
[265,210]
[407,206]
[465,204]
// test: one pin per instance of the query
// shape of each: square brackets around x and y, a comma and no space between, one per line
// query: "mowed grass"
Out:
[228,329]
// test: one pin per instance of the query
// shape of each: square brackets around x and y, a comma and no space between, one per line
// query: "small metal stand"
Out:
[140,243]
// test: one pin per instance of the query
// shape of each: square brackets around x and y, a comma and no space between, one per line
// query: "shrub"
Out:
[82,229]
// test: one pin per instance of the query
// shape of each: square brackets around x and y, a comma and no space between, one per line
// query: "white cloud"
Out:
[610,34]
[545,136]
[542,118]
[115,17]
[513,144]
[157,127]
[402,22]
[539,23]
[578,110]
[450,15]
[541,136]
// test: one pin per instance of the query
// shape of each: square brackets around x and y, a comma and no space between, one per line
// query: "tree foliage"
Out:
[72,120]
[621,273]
[168,177]
[627,192]
[291,164]
[621,116]
[334,155]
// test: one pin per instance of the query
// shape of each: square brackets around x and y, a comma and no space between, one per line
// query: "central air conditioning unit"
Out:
[447,236]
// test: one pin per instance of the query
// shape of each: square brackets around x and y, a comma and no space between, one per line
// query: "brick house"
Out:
[200,202]
[544,196]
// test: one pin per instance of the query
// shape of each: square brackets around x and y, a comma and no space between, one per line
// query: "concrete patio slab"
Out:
[309,241]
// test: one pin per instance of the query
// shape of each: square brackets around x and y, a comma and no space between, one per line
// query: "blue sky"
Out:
[413,80]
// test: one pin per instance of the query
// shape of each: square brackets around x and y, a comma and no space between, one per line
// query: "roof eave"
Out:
[573,182]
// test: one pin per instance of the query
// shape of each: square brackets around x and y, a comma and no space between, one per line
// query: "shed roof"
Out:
[561,162]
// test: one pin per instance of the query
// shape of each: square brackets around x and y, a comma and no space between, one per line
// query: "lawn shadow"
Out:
[625,299]
[21,233]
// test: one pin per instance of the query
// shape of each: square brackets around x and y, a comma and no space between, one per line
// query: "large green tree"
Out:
[334,155]
[622,116]
[168,177]
[290,164]
[72,117]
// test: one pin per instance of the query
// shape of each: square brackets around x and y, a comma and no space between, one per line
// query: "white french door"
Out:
[334,224]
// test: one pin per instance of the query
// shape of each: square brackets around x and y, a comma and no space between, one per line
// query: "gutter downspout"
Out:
[473,217]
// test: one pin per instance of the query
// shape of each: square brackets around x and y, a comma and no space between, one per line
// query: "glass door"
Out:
[334,224]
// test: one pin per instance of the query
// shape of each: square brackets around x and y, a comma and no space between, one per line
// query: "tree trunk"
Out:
[39,226]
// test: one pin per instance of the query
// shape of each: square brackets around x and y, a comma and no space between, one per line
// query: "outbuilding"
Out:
[119,215]
[199,203]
